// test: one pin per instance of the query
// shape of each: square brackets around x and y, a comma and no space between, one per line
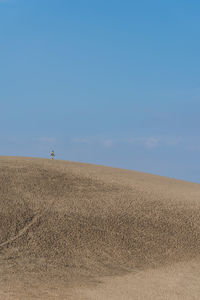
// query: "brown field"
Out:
[78,231]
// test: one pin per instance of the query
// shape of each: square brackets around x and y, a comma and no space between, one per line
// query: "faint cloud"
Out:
[151,142]
[106,143]
[85,140]
[154,142]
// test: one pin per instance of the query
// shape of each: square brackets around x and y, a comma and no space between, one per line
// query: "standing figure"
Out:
[52,154]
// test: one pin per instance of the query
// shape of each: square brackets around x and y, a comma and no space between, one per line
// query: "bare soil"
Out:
[78,231]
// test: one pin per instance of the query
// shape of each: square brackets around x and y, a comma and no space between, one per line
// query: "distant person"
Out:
[52,154]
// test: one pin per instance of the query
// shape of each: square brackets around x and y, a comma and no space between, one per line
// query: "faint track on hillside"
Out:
[21,232]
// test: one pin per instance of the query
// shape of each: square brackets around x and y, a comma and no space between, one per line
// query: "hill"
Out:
[64,225]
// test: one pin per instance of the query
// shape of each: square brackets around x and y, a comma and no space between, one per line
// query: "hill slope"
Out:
[73,222]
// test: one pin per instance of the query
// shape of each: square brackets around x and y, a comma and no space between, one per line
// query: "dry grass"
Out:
[71,223]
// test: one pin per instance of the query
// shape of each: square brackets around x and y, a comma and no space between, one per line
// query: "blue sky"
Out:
[108,82]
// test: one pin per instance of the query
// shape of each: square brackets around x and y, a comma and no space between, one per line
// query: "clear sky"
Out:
[109,82]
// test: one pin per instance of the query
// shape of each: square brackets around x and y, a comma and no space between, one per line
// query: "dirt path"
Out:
[21,232]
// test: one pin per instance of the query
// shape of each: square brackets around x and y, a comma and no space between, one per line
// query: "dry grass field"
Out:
[78,231]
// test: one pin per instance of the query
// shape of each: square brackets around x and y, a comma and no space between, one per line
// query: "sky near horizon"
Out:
[107,82]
